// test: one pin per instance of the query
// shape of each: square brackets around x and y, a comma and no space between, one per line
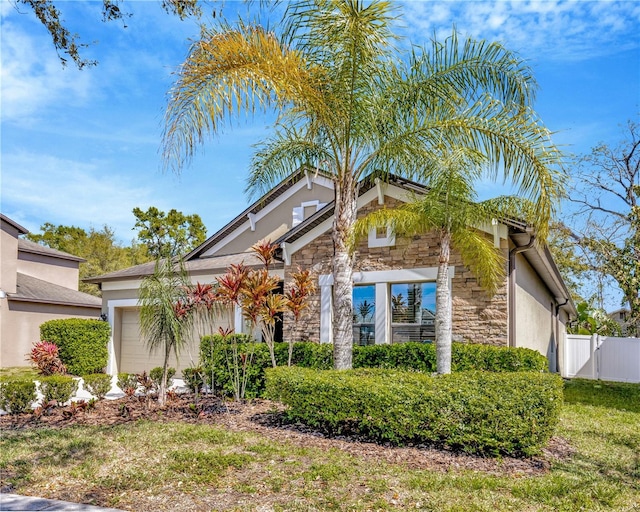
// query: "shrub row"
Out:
[476,412]
[216,356]
[17,395]
[82,343]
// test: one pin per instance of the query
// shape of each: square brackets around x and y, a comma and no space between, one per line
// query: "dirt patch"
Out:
[266,418]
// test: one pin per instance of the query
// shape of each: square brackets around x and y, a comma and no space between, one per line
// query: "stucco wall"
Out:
[535,320]
[53,270]
[476,316]
[21,326]
[8,253]
[280,219]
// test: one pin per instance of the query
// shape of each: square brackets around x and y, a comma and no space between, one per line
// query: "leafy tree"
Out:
[607,193]
[98,247]
[594,321]
[448,208]
[170,234]
[164,318]
[67,43]
[348,104]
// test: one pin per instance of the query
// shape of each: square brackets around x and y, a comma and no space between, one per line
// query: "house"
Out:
[37,284]
[621,317]
[394,279]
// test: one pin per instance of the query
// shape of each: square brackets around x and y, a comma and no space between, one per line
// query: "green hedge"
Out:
[82,343]
[59,388]
[476,412]
[17,395]
[98,384]
[214,354]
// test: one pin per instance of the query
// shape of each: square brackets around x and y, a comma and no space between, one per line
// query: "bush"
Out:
[156,376]
[44,355]
[60,388]
[82,343]
[16,396]
[98,384]
[421,357]
[128,383]
[194,378]
[476,412]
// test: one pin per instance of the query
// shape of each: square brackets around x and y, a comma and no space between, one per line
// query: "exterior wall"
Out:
[277,220]
[476,316]
[21,326]
[53,270]
[535,311]
[8,255]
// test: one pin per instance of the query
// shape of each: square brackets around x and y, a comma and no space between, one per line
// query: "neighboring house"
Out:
[394,280]
[621,317]
[37,284]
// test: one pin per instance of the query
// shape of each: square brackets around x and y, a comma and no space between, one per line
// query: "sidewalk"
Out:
[17,502]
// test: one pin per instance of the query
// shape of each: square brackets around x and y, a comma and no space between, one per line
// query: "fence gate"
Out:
[602,357]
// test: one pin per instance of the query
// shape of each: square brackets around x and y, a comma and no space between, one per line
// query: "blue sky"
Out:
[82,147]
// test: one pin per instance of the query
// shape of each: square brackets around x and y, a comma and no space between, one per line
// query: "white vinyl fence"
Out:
[602,357]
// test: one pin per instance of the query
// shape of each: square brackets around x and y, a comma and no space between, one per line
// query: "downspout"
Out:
[512,287]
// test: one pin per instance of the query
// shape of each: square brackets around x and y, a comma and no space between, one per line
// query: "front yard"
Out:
[243,458]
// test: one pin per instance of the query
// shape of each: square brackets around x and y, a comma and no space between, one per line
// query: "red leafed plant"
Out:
[44,355]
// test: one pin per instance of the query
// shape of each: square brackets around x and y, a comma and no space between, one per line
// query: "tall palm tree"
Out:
[348,104]
[449,209]
[164,313]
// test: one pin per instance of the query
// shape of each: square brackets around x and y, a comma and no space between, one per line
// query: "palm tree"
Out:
[448,208]
[348,104]
[165,313]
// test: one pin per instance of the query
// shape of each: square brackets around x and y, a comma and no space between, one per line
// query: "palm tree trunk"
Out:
[342,267]
[162,392]
[443,308]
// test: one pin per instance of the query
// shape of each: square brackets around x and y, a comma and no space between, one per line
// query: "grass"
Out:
[175,466]
[19,372]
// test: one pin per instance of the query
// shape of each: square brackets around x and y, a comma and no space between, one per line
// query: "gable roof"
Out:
[254,208]
[32,289]
[33,248]
[212,265]
[21,230]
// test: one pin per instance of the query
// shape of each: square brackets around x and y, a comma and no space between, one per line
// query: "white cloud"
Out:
[31,79]
[68,192]
[550,30]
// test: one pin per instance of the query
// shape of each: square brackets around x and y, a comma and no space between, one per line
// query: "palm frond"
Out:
[485,261]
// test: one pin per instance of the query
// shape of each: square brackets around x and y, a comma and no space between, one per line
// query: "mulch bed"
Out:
[266,419]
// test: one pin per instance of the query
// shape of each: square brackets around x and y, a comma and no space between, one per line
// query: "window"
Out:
[364,315]
[413,308]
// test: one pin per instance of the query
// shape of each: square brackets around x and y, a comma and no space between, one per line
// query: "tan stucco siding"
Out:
[8,252]
[21,326]
[53,270]
[535,320]
[275,222]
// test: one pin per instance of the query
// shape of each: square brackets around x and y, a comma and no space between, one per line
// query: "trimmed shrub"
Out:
[417,357]
[156,376]
[82,343]
[60,388]
[98,384]
[44,355]
[475,412]
[16,396]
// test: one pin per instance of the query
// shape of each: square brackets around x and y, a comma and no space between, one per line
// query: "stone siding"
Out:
[476,316]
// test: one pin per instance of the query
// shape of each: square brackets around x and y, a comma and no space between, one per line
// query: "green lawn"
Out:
[176,466]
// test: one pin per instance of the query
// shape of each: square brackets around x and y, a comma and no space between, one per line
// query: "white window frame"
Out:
[382,279]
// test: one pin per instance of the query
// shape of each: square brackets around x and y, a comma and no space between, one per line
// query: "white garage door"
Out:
[134,353]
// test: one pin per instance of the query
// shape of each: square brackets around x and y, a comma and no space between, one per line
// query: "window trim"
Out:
[382,279]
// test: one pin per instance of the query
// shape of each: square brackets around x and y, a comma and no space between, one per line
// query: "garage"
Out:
[134,356]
